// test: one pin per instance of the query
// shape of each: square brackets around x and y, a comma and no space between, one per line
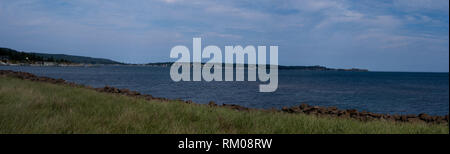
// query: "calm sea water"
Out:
[379,92]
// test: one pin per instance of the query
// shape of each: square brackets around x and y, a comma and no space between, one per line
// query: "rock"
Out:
[425,117]
[212,103]
[304,106]
[124,91]
[148,97]
[286,109]
[296,109]
[135,93]
[60,81]
[390,118]
[443,119]
[411,116]
[375,115]
[332,112]
[343,114]
[105,89]
[403,118]
[332,108]
[363,113]
[352,112]
[438,119]
[322,110]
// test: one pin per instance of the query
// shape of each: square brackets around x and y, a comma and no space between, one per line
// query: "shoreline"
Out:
[168,64]
[299,109]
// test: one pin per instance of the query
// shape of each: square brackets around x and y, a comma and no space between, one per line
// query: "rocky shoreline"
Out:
[301,109]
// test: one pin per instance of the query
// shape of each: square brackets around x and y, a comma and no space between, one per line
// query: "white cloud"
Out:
[422,5]
[171,1]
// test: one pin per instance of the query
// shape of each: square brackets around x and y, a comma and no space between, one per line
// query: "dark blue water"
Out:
[380,92]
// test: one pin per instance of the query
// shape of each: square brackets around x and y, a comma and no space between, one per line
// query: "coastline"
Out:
[299,109]
[168,64]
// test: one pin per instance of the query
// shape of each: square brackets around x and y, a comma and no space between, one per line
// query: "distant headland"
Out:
[281,67]
[11,57]
[14,57]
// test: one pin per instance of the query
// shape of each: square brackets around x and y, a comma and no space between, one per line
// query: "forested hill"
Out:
[14,55]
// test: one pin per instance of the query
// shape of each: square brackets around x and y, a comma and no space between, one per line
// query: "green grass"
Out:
[34,107]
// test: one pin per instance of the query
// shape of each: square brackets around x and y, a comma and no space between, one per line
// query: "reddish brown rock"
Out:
[425,117]
[352,112]
[304,106]
[375,115]
[332,112]
[332,108]
[343,113]
[363,113]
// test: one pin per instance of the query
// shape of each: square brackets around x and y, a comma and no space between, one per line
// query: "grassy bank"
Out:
[35,107]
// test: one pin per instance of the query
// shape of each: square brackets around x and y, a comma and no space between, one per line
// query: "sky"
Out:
[379,35]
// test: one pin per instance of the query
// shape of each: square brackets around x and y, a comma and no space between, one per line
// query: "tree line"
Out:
[14,55]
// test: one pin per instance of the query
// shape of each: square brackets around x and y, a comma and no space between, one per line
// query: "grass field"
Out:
[35,107]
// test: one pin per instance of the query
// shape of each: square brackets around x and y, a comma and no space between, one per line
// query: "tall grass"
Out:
[34,107]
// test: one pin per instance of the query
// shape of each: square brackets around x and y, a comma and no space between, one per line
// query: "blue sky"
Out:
[383,35]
